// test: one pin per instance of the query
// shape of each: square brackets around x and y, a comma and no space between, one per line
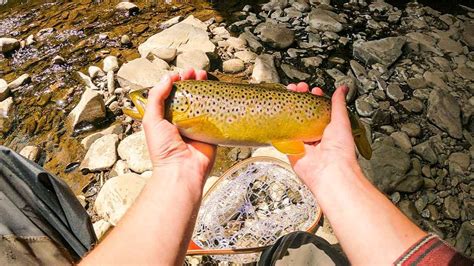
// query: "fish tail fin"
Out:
[360,136]
[139,100]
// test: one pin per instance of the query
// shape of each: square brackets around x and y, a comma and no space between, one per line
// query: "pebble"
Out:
[21,80]
[125,40]
[451,208]
[31,152]
[58,60]
[264,70]
[110,64]
[233,66]
[314,61]
[246,56]
[402,140]
[395,93]
[412,129]
[95,71]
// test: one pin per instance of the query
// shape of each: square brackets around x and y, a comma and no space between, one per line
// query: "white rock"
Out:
[166,54]
[170,22]
[125,39]
[140,73]
[5,107]
[4,90]
[120,168]
[246,56]
[233,66]
[95,71]
[110,82]
[30,39]
[30,152]
[8,44]
[270,152]
[221,32]
[21,80]
[110,63]
[196,59]
[101,227]
[113,129]
[161,63]
[90,108]
[133,149]
[127,6]
[101,155]
[58,60]
[87,80]
[264,70]
[117,195]
[236,43]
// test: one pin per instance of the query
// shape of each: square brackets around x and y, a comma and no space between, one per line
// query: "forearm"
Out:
[157,228]
[369,227]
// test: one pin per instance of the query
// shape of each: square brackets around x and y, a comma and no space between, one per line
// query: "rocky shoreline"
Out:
[410,72]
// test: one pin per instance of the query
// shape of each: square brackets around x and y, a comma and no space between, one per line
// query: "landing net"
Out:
[251,206]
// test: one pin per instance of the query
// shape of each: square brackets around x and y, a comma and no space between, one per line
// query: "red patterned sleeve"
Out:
[431,250]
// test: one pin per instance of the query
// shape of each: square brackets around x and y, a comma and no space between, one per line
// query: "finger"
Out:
[291,87]
[156,98]
[302,87]
[201,75]
[339,110]
[188,74]
[174,77]
[317,91]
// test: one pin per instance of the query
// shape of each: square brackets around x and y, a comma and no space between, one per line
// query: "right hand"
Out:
[336,147]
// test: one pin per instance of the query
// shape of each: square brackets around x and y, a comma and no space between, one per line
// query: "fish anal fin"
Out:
[290,147]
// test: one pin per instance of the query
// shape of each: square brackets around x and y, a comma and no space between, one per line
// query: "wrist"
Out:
[184,175]
[320,178]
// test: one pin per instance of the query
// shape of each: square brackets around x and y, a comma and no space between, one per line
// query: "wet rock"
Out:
[252,41]
[133,149]
[464,236]
[324,20]
[270,152]
[277,36]
[413,105]
[101,227]
[411,184]
[110,64]
[363,107]
[445,113]
[426,152]
[166,54]
[125,40]
[4,90]
[395,93]
[402,140]
[101,155]
[8,44]
[90,109]
[384,51]
[127,6]
[313,61]
[233,66]
[460,158]
[196,59]
[21,80]
[412,129]
[387,167]
[246,56]
[451,207]
[264,70]
[31,153]
[95,71]
[117,195]
[187,35]
[149,75]
[294,73]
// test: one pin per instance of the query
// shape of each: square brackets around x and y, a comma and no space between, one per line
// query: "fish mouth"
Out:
[139,99]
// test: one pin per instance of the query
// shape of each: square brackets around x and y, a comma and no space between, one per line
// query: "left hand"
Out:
[165,145]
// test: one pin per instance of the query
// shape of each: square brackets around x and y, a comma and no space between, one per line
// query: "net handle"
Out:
[194,249]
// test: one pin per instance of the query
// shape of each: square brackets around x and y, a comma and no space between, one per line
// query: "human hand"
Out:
[165,145]
[336,147]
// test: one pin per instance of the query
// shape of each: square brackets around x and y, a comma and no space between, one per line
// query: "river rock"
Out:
[4,90]
[110,63]
[127,6]
[402,140]
[277,36]
[384,51]
[449,45]
[170,22]
[133,149]
[324,20]
[8,44]
[252,41]
[395,93]
[460,158]
[196,59]
[313,61]
[294,73]
[101,155]
[411,184]
[166,54]
[264,70]
[270,151]
[387,167]
[246,56]
[425,42]
[445,113]
[363,107]
[413,105]
[31,152]
[465,72]
[187,35]
[5,110]
[451,207]
[468,33]
[21,80]
[426,152]
[233,66]
[149,74]
[119,168]
[95,71]
[125,39]
[409,209]
[101,227]
[412,129]
[117,195]
[465,236]
[90,109]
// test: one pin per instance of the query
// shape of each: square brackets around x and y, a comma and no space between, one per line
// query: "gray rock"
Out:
[402,140]
[110,63]
[277,36]
[187,35]
[324,20]
[421,203]
[451,207]
[460,158]
[264,70]
[412,129]
[384,51]
[166,54]
[90,109]
[95,71]
[294,73]
[445,113]
[380,6]
[426,152]
[411,184]
[468,33]
[313,61]
[233,66]
[101,155]
[149,74]
[387,167]
[413,105]
[21,80]
[31,152]
[363,107]
[395,93]
[196,59]
[117,195]
[133,149]
[4,90]
[8,44]
[246,56]
[252,41]
[425,42]
[464,236]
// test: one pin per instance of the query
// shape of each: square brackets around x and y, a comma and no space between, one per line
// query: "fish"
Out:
[253,115]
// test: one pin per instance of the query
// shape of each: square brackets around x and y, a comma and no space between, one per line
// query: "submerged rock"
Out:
[90,109]
[8,44]
[102,154]
[384,51]
[264,70]
[445,113]
[133,149]
[140,73]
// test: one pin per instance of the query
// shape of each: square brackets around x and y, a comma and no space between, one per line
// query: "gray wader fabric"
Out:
[41,220]
[301,248]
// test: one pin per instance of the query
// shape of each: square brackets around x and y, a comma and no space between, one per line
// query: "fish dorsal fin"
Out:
[276,86]
[290,147]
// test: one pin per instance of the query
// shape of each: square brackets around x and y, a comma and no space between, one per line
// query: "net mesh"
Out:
[253,207]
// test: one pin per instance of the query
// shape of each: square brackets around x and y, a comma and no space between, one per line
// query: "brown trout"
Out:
[232,114]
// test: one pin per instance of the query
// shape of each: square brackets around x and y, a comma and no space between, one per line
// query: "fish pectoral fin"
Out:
[360,136]
[290,147]
[186,122]
[273,86]
[198,124]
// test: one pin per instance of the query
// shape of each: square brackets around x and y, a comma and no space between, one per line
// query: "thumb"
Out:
[156,99]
